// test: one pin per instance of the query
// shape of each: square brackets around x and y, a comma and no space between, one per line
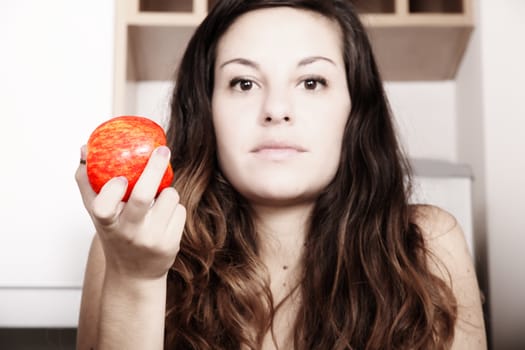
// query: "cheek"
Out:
[223,125]
[330,151]
[329,125]
[230,115]
[226,146]
[231,144]
[329,141]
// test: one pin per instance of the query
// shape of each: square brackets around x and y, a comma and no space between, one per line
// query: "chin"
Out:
[279,189]
[281,198]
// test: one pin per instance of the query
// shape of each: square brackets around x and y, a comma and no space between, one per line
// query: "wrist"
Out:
[133,287]
[125,303]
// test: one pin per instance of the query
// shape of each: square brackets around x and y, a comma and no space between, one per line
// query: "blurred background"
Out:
[454,74]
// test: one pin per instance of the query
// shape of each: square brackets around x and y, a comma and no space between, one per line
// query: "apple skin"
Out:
[122,146]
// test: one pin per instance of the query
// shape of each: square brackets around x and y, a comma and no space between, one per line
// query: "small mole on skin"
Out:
[285,267]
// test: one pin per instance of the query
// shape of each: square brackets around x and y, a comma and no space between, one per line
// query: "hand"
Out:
[140,238]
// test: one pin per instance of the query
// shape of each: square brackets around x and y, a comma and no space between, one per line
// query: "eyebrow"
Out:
[312,59]
[242,61]
[304,62]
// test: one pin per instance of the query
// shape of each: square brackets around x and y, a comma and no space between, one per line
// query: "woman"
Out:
[293,228]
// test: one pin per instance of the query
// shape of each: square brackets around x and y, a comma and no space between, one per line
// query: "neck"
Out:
[281,232]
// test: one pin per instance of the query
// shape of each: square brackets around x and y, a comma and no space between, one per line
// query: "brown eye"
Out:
[314,83]
[245,85]
[310,84]
[242,84]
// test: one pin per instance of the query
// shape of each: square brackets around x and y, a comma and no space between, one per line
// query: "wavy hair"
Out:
[365,284]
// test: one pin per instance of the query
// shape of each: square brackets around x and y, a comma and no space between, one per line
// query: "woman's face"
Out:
[280,103]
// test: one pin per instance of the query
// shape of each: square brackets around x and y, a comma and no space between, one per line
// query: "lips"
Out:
[277,150]
[278,146]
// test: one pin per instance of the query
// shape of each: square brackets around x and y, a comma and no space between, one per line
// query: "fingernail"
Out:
[163,151]
[83,152]
[123,180]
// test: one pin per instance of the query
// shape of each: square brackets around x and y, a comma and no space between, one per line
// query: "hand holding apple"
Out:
[148,227]
[121,147]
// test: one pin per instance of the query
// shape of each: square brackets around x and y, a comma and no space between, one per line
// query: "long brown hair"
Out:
[366,282]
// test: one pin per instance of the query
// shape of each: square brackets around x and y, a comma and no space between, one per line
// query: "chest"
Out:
[286,295]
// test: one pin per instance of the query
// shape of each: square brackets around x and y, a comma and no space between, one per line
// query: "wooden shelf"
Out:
[413,40]
[165,6]
[172,5]
[435,6]
[375,6]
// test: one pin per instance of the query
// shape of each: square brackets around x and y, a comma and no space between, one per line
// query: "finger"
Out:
[86,191]
[147,185]
[175,228]
[106,205]
[164,206]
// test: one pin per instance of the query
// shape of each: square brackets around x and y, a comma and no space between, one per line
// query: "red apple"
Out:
[121,147]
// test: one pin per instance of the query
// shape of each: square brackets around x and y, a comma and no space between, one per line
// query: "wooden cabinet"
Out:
[412,39]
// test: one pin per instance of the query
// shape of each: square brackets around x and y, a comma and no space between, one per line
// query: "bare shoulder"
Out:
[449,259]
[433,221]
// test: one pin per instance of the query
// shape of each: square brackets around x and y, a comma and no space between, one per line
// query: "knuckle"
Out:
[101,212]
[176,195]
[155,247]
[160,249]
[140,200]
[172,194]
[176,246]
[79,175]
[181,210]
[144,244]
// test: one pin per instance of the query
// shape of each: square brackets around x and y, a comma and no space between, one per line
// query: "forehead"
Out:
[281,33]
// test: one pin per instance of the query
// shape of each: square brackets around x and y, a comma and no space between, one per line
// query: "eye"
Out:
[242,84]
[314,83]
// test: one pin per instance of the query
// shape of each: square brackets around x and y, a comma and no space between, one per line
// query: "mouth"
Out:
[277,150]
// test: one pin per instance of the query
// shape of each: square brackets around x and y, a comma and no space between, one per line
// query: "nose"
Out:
[277,108]
[274,120]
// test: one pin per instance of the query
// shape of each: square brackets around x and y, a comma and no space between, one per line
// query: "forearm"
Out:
[132,314]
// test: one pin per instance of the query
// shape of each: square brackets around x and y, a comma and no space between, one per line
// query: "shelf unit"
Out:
[413,40]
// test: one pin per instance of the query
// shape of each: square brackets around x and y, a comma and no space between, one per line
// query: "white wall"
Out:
[425,114]
[55,87]
[471,149]
[503,71]
[491,124]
